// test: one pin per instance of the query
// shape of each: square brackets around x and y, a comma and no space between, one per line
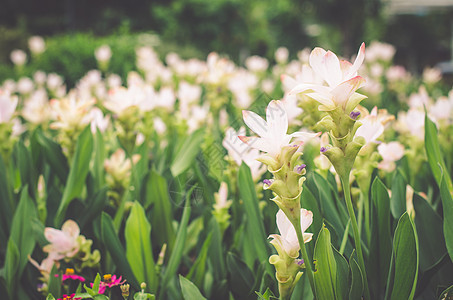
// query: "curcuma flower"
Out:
[8,105]
[273,132]
[287,243]
[63,242]
[341,78]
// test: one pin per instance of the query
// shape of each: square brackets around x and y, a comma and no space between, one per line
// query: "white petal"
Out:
[333,74]
[255,123]
[306,218]
[304,136]
[357,63]
[283,224]
[344,91]
[317,61]
[259,143]
[277,120]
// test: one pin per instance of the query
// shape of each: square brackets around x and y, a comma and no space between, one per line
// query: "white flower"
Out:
[287,240]
[18,57]
[372,127]
[256,63]
[273,131]
[8,105]
[281,55]
[390,153]
[103,53]
[36,44]
[98,121]
[340,76]
[242,152]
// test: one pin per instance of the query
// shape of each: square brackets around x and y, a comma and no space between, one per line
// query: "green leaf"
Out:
[12,262]
[176,255]
[99,158]
[381,240]
[155,193]
[434,153]
[268,295]
[405,247]
[6,204]
[50,297]
[55,283]
[240,277]
[79,169]
[430,233]
[186,152]
[256,238]
[112,243]
[325,267]
[26,168]
[341,280]
[54,156]
[22,229]
[356,290]
[198,270]
[447,205]
[398,198]
[94,206]
[189,290]
[139,251]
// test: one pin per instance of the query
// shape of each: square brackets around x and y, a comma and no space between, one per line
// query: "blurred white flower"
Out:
[256,64]
[40,78]
[390,153]
[281,55]
[70,112]
[25,86]
[380,51]
[36,108]
[103,53]
[98,120]
[432,75]
[36,44]
[8,104]
[18,57]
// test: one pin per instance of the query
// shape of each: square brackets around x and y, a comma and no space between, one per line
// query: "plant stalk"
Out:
[307,262]
[357,240]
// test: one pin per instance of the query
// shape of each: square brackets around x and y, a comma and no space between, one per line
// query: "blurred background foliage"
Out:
[74,29]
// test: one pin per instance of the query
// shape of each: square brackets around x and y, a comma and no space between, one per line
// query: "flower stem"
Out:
[357,240]
[305,257]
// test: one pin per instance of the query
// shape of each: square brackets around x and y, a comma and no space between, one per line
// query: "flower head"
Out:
[287,241]
[69,297]
[62,242]
[272,132]
[340,76]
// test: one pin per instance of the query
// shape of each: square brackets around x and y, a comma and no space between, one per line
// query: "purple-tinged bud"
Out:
[300,262]
[267,182]
[298,169]
[323,149]
[354,114]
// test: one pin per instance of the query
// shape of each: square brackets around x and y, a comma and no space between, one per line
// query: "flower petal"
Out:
[255,123]
[344,91]
[316,61]
[258,143]
[277,120]
[306,218]
[333,74]
[71,228]
[357,63]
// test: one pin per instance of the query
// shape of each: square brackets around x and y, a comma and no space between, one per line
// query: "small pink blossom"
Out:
[63,242]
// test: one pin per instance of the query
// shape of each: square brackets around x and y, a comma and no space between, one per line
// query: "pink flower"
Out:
[109,281]
[62,242]
[341,78]
[69,297]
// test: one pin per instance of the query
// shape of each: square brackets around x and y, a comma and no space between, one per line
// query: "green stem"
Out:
[358,245]
[307,261]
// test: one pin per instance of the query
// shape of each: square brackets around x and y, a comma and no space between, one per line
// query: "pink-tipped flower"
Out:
[272,133]
[341,78]
[63,242]
[8,105]
[287,240]
[372,127]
